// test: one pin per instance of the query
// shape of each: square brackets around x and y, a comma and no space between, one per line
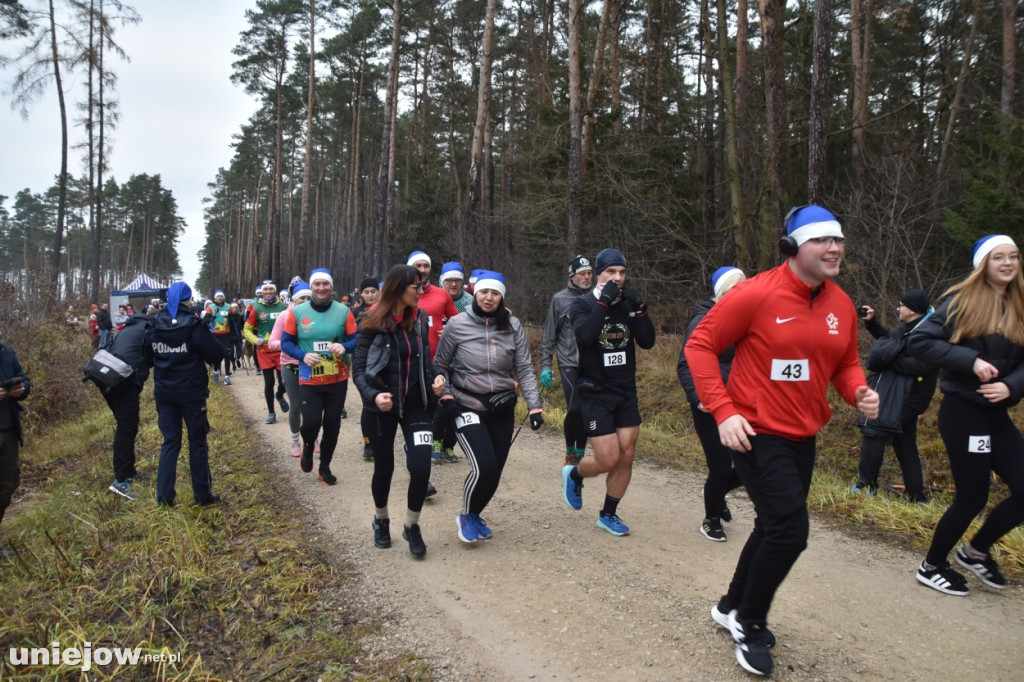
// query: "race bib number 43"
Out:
[790,370]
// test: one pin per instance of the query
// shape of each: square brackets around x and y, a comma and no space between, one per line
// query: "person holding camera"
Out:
[609,324]
[482,357]
[124,402]
[14,387]
[907,394]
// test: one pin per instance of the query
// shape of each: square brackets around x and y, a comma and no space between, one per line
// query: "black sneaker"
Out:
[721,616]
[751,645]
[431,490]
[382,532]
[367,453]
[416,546]
[306,461]
[206,502]
[344,413]
[327,477]
[712,530]
[944,579]
[283,403]
[725,514]
[986,569]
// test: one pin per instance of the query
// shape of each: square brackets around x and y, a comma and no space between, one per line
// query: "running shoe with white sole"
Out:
[467,529]
[944,579]
[124,489]
[722,619]
[613,524]
[986,569]
[572,492]
[482,531]
[712,530]
[751,645]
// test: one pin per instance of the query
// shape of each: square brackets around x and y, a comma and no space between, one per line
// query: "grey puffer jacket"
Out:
[484,360]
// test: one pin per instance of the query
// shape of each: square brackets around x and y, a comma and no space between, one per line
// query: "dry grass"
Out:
[667,439]
[239,590]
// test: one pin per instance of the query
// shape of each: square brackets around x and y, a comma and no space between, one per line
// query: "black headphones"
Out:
[787,245]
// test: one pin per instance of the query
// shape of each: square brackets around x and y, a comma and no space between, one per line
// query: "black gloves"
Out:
[631,295]
[536,421]
[449,408]
[610,293]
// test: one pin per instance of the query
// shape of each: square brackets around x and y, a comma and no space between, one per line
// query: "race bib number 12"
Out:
[790,370]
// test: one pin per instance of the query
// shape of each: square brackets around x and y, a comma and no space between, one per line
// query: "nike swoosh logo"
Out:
[779,320]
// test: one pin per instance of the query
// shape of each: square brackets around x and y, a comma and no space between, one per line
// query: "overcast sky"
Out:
[179,111]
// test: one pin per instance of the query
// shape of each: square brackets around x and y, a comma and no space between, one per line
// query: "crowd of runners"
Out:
[446,364]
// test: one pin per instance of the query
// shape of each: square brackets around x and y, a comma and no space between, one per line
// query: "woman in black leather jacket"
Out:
[391,369]
[977,337]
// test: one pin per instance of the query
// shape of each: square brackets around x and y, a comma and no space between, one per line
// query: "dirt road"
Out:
[553,597]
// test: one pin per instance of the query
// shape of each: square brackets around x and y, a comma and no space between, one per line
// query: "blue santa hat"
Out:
[217,293]
[721,277]
[812,222]
[475,275]
[178,293]
[451,270]
[300,289]
[984,246]
[490,280]
[416,257]
[321,274]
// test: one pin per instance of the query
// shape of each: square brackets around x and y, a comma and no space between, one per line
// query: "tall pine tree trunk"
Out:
[817,159]
[1006,102]
[775,98]
[62,180]
[380,248]
[302,259]
[575,133]
[744,249]
[476,222]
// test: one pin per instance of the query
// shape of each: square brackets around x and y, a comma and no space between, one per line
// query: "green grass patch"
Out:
[235,591]
[667,439]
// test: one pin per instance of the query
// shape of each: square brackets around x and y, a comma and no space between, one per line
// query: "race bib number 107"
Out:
[790,370]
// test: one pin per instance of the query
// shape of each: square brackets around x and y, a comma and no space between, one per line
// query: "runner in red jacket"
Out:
[794,331]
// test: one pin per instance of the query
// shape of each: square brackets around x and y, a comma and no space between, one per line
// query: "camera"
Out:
[11,383]
[862,312]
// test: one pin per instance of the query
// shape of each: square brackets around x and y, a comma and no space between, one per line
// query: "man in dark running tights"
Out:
[560,339]
[609,324]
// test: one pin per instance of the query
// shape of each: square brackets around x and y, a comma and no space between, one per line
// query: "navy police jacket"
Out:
[179,353]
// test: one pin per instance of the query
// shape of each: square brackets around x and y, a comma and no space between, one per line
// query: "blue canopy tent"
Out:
[142,286]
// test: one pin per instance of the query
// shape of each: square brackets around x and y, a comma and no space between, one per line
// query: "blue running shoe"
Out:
[482,531]
[613,524]
[572,492]
[467,528]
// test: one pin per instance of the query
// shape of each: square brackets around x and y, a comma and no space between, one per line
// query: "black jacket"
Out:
[10,368]
[103,319]
[683,369]
[603,330]
[129,345]
[377,367]
[179,354]
[889,352]
[930,343]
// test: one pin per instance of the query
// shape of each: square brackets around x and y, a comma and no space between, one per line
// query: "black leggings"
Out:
[572,427]
[418,433]
[964,425]
[268,387]
[722,477]
[486,440]
[321,406]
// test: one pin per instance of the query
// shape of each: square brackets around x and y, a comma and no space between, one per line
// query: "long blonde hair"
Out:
[978,309]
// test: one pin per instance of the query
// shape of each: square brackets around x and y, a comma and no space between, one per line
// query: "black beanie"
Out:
[916,300]
[607,259]
[579,264]
[369,282]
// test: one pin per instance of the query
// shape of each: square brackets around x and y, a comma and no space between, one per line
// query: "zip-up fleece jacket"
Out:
[179,354]
[930,342]
[485,359]
[790,342]
[377,366]
[559,338]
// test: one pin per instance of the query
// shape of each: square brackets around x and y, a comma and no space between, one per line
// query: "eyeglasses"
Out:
[419,287]
[828,241]
[1002,258]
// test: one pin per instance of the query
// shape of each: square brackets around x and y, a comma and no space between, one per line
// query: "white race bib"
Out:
[615,359]
[430,320]
[321,346]
[422,438]
[979,444]
[790,370]
[273,316]
[466,419]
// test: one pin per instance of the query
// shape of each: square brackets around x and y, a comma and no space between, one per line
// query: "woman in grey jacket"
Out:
[488,351]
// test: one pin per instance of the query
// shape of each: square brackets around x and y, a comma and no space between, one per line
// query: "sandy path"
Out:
[553,597]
